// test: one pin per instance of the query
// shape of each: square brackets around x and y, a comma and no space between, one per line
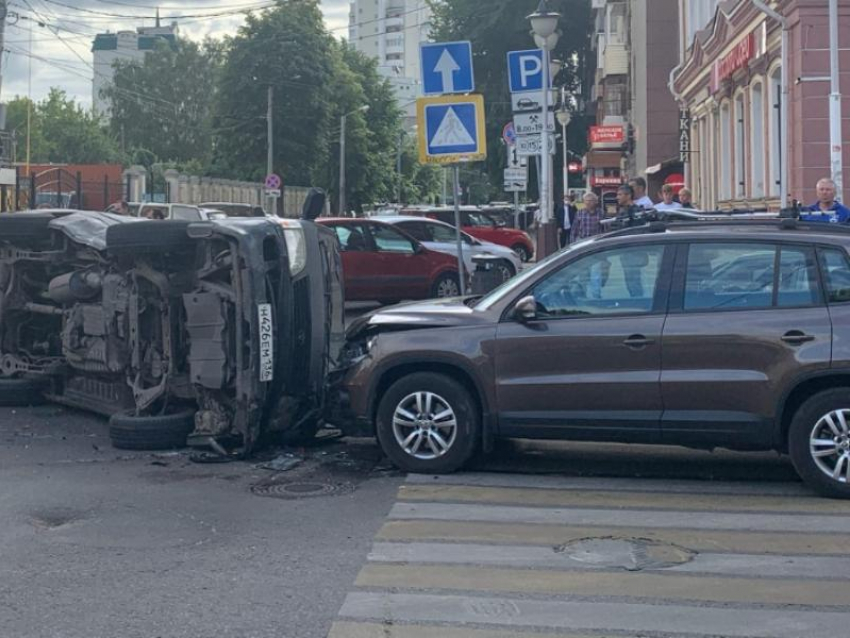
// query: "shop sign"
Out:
[736,59]
[606,181]
[684,135]
[607,135]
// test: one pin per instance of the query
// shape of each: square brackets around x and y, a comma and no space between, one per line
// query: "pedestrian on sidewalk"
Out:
[667,202]
[640,197]
[587,219]
[686,198]
[827,208]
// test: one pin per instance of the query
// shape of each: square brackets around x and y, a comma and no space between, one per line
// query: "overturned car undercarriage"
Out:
[172,329]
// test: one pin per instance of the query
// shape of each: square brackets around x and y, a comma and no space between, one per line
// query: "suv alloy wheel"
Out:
[428,423]
[819,442]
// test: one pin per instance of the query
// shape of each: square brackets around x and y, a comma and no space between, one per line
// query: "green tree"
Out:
[285,48]
[165,104]
[315,81]
[61,131]
[497,26]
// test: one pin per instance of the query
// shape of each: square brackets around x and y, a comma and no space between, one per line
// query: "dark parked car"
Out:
[752,318]
[219,331]
[385,264]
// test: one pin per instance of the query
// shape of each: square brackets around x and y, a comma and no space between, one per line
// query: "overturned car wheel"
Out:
[158,236]
[163,432]
[21,392]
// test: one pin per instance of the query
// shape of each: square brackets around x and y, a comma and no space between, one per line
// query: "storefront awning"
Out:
[603,159]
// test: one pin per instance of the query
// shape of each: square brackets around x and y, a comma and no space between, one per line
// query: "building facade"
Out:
[752,137]
[124,46]
[390,32]
[636,132]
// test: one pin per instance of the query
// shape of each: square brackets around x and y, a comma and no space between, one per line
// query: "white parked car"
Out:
[439,236]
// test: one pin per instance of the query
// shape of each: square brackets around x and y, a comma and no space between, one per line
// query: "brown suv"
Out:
[713,334]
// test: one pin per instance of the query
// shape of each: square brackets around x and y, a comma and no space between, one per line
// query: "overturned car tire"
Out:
[16,393]
[163,432]
[151,236]
[24,226]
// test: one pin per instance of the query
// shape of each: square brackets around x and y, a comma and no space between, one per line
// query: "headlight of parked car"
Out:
[296,245]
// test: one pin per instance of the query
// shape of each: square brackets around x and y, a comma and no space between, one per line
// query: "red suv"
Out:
[484,227]
[383,263]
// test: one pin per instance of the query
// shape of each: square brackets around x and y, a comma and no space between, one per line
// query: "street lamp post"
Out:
[544,25]
[342,122]
[564,117]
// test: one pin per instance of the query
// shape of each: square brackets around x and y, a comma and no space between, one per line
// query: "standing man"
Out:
[587,220]
[827,208]
[638,185]
[667,202]
[627,208]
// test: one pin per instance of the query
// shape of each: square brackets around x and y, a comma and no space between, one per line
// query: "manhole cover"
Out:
[301,490]
[633,554]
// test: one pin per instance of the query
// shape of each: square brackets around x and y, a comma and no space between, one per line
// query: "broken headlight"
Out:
[357,350]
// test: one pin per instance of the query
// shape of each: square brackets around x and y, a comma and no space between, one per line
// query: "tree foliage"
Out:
[165,103]
[497,26]
[61,131]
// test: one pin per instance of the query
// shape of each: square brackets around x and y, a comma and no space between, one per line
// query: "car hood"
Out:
[437,313]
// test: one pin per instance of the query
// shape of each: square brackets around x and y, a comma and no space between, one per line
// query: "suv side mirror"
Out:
[314,205]
[526,309]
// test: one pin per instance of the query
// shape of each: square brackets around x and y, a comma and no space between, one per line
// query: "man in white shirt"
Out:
[638,184]
[667,202]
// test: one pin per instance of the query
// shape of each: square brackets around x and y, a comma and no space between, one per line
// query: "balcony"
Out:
[615,60]
[394,24]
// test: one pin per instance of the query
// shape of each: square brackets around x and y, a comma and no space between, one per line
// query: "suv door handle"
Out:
[638,341]
[796,337]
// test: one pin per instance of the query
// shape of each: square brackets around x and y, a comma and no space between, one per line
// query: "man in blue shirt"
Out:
[826,209]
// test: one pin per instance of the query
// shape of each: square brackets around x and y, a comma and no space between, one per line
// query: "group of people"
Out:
[576,223]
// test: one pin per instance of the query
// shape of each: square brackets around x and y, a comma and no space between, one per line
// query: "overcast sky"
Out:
[61,49]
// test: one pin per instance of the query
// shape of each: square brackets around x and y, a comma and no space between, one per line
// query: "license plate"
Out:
[266,342]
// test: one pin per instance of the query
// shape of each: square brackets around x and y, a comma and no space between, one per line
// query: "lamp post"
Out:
[564,117]
[544,25]
[342,122]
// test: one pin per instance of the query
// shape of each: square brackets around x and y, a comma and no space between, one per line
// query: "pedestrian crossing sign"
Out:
[451,129]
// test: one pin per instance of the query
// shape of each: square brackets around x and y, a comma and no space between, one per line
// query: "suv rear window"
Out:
[836,274]
[743,276]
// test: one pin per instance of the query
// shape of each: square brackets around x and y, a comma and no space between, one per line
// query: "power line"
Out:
[221,13]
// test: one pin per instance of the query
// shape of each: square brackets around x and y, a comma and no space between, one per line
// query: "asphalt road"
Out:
[99,543]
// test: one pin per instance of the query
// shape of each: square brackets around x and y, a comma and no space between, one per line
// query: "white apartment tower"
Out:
[124,46]
[390,31]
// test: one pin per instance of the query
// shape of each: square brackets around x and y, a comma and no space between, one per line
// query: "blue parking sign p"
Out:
[525,70]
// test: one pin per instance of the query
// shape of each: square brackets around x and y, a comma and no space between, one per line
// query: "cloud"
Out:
[53,41]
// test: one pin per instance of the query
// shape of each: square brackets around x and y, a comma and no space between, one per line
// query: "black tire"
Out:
[24,226]
[523,253]
[165,235]
[443,283]
[805,420]
[467,431]
[163,432]
[18,393]
[507,270]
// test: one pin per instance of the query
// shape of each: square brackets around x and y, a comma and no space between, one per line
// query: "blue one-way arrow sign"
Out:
[446,68]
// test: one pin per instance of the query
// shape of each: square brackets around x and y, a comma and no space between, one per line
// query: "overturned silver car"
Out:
[219,332]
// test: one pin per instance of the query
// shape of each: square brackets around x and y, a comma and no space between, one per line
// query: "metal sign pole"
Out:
[516,209]
[460,267]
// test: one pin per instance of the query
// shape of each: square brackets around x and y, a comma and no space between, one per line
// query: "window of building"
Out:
[757,146]
[775,139]
[740,133]
[725,158]
[615,99]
